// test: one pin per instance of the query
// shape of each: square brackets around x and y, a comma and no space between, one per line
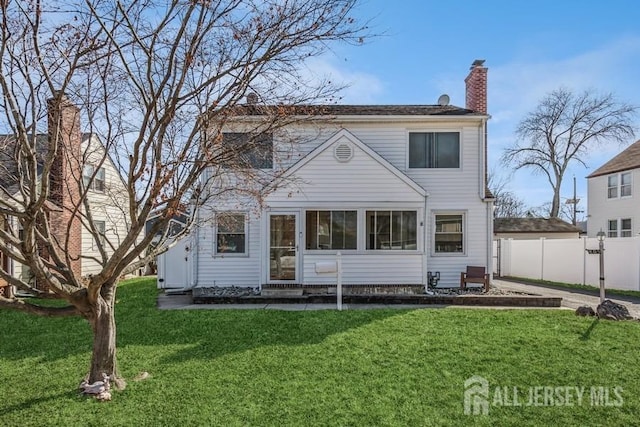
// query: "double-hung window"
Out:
[247,150]
[231,234]
[93,178]
[619,227]
[396,230]
[619,185]
[625,184]
[449,234]
[100,228]
[434,150]
[612,186]
[331,230]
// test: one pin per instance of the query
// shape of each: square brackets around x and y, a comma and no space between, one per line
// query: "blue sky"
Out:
[530,49]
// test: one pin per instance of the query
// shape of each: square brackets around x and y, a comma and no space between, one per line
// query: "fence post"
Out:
[542,258]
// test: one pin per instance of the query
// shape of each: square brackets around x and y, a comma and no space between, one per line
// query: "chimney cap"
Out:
[252,98]
[477,63]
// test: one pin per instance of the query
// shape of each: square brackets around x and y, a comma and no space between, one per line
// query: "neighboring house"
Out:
[398,190]
[107,192]
[613,199]
[534,228]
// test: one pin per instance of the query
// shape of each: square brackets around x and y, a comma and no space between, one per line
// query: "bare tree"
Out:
[155,83]
[561,130]
[507,204]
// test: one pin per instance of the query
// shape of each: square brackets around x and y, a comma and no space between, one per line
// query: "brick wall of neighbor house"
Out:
[66,173]
[476,87]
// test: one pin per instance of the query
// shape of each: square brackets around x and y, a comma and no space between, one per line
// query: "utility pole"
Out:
[574,202]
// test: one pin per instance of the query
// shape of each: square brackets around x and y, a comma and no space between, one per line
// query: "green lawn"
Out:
[378,367]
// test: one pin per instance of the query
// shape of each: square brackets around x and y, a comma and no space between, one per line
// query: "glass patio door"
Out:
[283,247]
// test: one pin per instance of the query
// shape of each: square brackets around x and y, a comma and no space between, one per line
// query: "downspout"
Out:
[482,131]
[426,245]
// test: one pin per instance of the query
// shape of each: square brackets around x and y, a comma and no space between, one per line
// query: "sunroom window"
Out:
[331,230]
[393,230]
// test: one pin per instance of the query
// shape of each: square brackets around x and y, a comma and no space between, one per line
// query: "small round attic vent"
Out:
[343,152]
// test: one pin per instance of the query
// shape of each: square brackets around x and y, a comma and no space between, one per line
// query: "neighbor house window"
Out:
[625,184]
[247,150]
[623,190]
[613,228]
[331,230]
[612,186]
[434,150]
[100,227]
[93,179]
[449,233]
[231,234]
[392,230]
[625,227]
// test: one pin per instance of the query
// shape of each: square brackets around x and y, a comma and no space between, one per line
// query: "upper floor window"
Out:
[331,230]
[625,227]
[625,184]
[247,150]
[623,190]
[449,234]
[434,150]
[93,179]
[231,234]
[392,230]
[612,229]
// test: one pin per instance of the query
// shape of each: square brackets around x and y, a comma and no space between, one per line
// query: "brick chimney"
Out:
[66,175]
[476,87]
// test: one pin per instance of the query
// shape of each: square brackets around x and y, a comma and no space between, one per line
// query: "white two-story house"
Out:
[614,206]
[398,190]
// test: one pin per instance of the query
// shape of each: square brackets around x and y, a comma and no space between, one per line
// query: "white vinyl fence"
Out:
[567,260]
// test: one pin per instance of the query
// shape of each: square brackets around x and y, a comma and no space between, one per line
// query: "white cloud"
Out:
[361,88]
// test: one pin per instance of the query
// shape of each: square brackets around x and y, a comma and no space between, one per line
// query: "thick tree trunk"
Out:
[103,358]
[555,204]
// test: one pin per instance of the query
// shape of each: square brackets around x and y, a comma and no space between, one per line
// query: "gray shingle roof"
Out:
[9,178]
[533,225]
[626,160]
[354,110]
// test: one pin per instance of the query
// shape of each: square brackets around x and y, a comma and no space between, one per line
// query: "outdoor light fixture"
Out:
[600,235]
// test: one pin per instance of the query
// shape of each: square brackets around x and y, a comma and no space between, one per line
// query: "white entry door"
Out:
[283,247]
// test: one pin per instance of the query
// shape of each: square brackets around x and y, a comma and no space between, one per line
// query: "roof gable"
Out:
[627,159]
[321,176]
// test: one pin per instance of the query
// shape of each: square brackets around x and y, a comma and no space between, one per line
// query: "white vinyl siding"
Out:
[368,269]
[229,270]
[323,183]
[109,206]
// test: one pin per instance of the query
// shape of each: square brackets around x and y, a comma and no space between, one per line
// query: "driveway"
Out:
[570,298]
